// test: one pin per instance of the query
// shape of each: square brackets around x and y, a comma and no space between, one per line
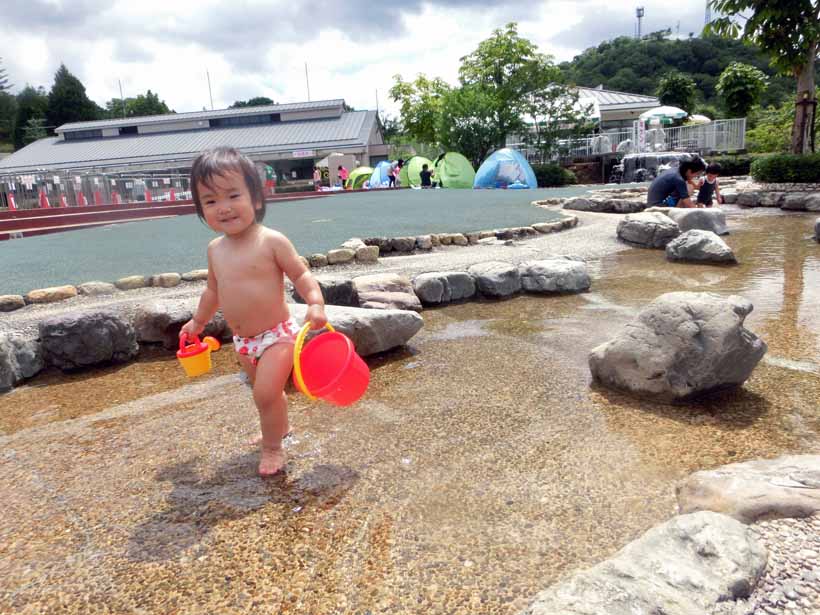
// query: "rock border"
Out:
[353,250]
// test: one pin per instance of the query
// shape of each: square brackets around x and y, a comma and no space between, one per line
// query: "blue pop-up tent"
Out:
[506,168]
[379,178]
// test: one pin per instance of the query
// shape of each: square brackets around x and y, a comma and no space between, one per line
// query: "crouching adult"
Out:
[671,188]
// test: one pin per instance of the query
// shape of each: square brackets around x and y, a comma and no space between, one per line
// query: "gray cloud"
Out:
[593,29]
[40,15]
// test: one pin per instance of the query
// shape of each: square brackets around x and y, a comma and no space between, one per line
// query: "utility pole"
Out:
[122,98]
[307,81]
[210,95]
[639,12]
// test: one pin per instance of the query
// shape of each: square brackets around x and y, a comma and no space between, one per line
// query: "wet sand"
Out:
[479,468]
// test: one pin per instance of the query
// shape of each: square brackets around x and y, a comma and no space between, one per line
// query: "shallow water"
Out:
[479,468]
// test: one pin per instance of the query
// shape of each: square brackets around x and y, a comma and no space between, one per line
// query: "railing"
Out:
[717,136]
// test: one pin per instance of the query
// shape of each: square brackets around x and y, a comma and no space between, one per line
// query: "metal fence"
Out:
[67,189]
[717,136]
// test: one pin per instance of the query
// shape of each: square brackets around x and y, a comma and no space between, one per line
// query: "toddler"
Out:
[709,187]
[246,269]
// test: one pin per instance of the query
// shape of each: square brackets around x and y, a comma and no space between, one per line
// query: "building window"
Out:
[83,134]
[128,130]
[245,120]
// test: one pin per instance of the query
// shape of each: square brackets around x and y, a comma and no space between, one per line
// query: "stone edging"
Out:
[363,251]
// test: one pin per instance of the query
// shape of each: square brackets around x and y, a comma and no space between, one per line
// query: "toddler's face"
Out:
[226,204]
[711,177]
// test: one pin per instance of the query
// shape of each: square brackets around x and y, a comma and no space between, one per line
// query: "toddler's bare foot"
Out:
[272,460]
[257,439]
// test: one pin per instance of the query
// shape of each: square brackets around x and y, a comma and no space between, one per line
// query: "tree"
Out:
[507,68]
[771,127]
[8,111]
[34,129]
[391,128]
[252,102]
[144,104]
[467,123]
[790,33]
[556,115]
[741,87]
[678,90]
[420,102]
[31,103]
[4,79]
[67,101]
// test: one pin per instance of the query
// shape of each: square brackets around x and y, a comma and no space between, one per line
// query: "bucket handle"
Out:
[184,338]
[297,364]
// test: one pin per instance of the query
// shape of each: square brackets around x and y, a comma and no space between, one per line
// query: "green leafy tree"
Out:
[31,103]
[772,127]
[467,122]
[34,129]
[252,102]
[741,87]
[8,111]
[508,68]
[391,129]
[419,102]
[67,100]
[789,32]
[556,116]
[678,90]
[141,105]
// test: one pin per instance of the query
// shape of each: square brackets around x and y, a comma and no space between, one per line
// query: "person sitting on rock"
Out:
[670,189]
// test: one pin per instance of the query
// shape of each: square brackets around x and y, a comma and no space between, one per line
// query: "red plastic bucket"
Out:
[330,369]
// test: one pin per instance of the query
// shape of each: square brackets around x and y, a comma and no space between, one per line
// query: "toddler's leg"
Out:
[272,372]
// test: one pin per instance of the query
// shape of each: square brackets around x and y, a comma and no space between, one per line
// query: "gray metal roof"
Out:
[349,130]
[201,115]
[610,98]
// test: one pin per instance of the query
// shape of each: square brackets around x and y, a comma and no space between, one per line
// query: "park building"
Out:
[288,139]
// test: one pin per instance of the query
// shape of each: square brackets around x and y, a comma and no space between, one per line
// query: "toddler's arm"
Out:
[208,304]
[289,261]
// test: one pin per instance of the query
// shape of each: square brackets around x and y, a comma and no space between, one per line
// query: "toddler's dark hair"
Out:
[219,161]
[713,168]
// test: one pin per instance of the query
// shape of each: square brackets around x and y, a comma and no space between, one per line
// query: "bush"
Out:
[733,165]
[549,175]
[787,168]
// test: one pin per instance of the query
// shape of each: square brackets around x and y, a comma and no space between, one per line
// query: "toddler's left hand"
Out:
[316,316]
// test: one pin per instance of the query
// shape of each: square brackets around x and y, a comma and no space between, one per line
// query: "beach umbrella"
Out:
[663,115]
[698,119]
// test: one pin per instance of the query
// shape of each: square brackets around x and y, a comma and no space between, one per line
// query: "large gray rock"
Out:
[554,275]
[336,290]
[384,291]
[403,244]
[95,289]
[817,229]
[686,566]
[444,287]
[371,331]
[159,321]
[342,255]
[795,201]
[813,202]
[748,199]
[709,219]
[648,230]
[496,278]
[80,339]
[730,198]
[20,358]
[681,346]
[772,199]
[699,246]
[762,489]
[605,205]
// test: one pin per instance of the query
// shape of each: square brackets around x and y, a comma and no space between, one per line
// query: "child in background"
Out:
[246,269]
[425,175]
[709,187]
[343,175]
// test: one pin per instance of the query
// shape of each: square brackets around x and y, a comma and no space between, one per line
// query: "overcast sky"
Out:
[259,48]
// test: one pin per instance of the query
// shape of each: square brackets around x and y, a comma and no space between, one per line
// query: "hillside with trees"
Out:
[629,65]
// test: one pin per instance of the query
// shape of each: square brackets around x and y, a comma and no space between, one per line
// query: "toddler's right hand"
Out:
[191,328]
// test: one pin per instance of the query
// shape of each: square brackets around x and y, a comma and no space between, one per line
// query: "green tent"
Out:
[409,175]
[454,171]
[357,177]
